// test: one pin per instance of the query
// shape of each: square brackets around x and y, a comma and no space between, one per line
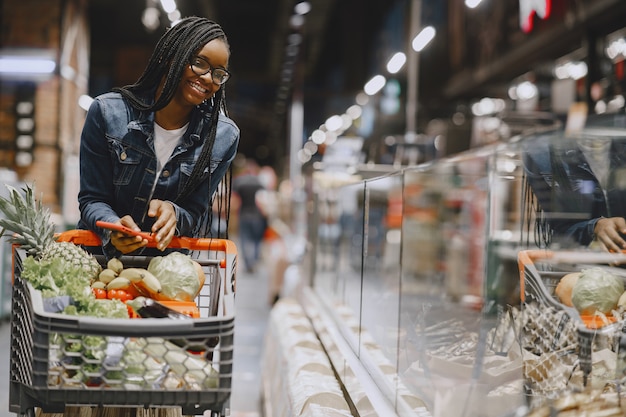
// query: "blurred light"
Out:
[527,90]
[296,21]
[390,140]
[616,104]
[23,159]
[346,122]
[506,166]
[513,92]
[374,85]
[67,72]
[25,124]
[318,136]
[394,236]
[472,4]
[439,142]
[396,62]
[84,101]
[24,108]
[333,123]
[574,70]
[294,39]
[174,15]
[150,18]
[331,138]
[600,107]
[616,48]
[310,147]
[302,8]
[292,50]
[354,111]
[423,38]
[303,156]
[487,106]
[458,118]
[24,141]
[578,70]
[168,5]
[26,65]
[362,99]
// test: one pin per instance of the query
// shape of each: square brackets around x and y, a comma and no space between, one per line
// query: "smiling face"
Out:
[193,89]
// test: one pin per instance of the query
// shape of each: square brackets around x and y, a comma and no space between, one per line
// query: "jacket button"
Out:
[166,174]
[123,156]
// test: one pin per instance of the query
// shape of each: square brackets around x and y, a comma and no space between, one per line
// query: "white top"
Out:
[165,141]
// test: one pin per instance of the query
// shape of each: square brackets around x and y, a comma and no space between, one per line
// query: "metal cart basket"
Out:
[59,359]
[565,351]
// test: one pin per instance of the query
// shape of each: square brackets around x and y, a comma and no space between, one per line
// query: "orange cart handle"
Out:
[526,258]
[89,238]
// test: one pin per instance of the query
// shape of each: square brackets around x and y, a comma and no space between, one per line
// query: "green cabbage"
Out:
[597,291]
[177,274]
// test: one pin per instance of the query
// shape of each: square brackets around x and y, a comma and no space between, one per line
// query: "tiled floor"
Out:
[251,314]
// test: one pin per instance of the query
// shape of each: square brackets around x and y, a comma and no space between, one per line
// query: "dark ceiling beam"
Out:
[279,36]
[208,9]
[315,28]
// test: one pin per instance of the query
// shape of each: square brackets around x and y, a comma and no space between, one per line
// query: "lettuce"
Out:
[57,278]
[177,274]
[597,291]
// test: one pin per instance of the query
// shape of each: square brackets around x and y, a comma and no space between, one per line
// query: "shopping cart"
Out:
[565,351]
[53,366]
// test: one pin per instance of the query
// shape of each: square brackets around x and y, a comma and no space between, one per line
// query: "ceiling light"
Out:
[26,65]
[423,38]
[302,8]
[168,5]
[374,85]
[472,4]
[396,62]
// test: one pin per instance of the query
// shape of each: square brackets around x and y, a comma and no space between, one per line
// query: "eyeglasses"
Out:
[201,66]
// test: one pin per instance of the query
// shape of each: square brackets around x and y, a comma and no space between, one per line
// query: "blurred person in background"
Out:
[246,189]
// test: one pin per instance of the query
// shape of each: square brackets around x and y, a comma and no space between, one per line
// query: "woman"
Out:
[153,153]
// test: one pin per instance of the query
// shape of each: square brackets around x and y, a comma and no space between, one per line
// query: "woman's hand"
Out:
[165,225]
[127,243]
[609,233]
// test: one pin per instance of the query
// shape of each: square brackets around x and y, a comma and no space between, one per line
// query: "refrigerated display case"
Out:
[420,290]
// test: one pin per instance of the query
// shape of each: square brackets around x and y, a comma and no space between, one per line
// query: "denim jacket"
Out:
[118,166]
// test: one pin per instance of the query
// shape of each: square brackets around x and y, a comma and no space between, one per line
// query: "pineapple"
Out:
[30,222]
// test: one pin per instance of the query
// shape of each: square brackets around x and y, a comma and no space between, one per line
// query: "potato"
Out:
[564,288]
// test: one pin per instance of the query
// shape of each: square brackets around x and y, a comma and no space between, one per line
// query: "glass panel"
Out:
[446,274]
[381,290]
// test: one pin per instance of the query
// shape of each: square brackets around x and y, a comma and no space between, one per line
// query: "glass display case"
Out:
[442,278]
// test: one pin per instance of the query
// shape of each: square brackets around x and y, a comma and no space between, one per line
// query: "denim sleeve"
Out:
[96,178]
[582,232]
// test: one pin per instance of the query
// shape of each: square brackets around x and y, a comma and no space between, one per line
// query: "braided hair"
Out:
[171,56]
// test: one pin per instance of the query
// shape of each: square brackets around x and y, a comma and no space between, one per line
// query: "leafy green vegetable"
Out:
[597,290]
[177,274]
[56,277]
[96,307]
